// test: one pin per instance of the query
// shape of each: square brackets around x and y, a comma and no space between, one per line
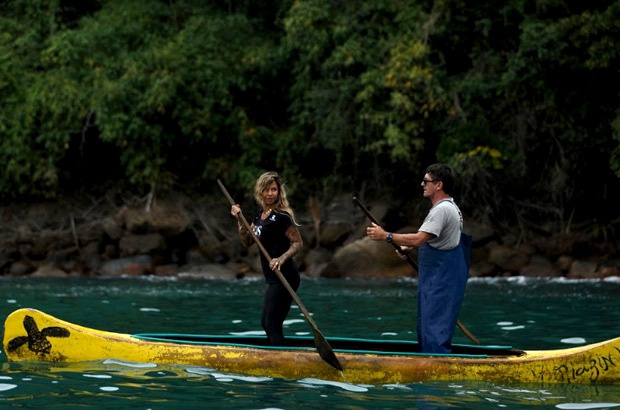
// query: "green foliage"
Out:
[544,97]
[159,84]
[399,98]
[364,87]
[522,98]
[615,154]
[29,156]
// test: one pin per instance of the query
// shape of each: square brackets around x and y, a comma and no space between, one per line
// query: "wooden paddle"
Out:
[412,263]
[325,350]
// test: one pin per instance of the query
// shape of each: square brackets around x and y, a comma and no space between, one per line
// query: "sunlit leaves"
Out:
[400,96]
[364,84]
[159,82]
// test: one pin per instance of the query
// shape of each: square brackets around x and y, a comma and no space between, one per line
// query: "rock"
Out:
[609,271]
[48,271]
[540,266]
[195,257]
[109,251]
[134,244]
[132,266]
[112,228]
[365,258]
[21,268]
[42,243]
[166,270]
[5,261]
[316,261]
[165,218]
[507,258]
[482,269]
[212,271]
[561,243]
[23,234]
[179,234]
[90,256]
[340,220]
[480,232]
[60,256]
[583,270]
[564,263]
[334,234]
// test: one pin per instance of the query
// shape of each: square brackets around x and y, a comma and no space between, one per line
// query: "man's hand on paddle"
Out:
[376,233]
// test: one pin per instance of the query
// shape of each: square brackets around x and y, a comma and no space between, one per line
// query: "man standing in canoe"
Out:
[443,266]
[275,226]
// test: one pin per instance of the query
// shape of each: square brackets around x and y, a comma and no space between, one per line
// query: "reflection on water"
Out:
[103,386]
[525,313]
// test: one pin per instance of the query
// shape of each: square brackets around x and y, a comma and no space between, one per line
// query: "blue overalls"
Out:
[441,287]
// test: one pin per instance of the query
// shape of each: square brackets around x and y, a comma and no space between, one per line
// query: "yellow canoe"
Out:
[31,335]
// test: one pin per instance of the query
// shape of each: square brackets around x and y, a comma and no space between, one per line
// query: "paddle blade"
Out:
[325,350]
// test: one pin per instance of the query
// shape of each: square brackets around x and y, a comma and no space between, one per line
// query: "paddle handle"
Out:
[374,220]
[412,263]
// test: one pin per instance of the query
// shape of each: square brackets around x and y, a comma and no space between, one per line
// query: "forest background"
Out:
[152,98]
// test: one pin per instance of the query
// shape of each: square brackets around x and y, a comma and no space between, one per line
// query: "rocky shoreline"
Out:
[198,239]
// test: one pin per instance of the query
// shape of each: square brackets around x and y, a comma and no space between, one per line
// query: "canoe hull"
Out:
[31,335]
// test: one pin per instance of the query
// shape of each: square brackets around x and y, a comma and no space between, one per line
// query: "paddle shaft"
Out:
[412,263]
[325,350]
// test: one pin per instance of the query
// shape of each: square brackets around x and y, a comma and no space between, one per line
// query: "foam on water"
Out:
[574,340]
[345,386]
[98,376]
[202,371]
[517,327]
[292,321]
[506,325]
[231,377]
[249,333]
[7,386]
[586,406]
[226,377]
[397,387]
[130,364]
[526,280]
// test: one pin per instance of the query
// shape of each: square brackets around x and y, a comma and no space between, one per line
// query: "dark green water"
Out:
[528,314]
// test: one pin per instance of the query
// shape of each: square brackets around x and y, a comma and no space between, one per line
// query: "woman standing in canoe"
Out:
[275,225]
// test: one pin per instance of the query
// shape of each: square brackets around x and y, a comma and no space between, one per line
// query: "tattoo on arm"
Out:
[292,233]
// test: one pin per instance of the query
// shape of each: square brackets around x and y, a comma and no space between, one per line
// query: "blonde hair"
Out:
[281,205]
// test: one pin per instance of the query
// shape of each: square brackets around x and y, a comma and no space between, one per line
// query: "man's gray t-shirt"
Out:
[444,220]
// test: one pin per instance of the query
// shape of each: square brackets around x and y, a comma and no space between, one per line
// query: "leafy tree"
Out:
[520,97]
[160,85]
[34,136]
[540,100]
[364,88]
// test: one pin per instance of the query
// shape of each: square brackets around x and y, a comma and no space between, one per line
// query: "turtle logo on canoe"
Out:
[37,340]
